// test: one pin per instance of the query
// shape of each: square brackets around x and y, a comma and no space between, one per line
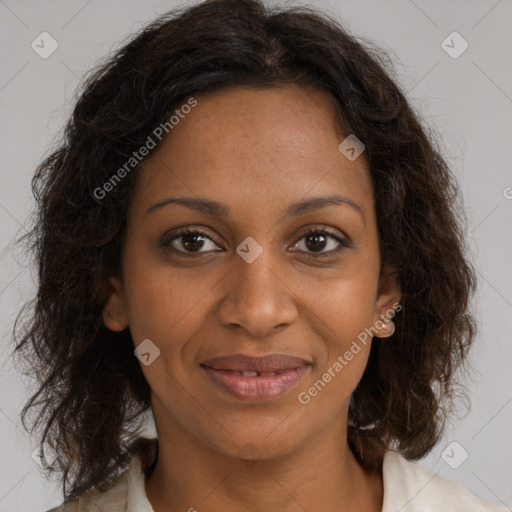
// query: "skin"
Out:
[256,151]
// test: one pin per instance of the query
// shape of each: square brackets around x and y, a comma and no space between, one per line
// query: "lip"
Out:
[264,364]
[225,371]
[258,388]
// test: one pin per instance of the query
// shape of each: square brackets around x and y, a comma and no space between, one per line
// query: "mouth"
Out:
[249,373]
[274,377]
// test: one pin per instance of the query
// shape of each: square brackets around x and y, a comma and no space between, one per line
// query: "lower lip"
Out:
[258,388]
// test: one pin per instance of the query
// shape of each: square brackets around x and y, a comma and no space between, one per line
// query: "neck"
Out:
[321,474]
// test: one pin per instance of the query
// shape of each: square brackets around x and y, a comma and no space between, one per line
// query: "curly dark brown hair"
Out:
[91,389]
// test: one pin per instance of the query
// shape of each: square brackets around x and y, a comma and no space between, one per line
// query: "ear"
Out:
[387,302]
[114,312]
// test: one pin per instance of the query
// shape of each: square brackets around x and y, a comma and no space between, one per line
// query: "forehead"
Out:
[248,145]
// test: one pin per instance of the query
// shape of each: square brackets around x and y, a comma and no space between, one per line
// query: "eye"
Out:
[317,239]
[192,240]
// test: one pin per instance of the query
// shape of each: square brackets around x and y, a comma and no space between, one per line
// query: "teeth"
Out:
[254,374]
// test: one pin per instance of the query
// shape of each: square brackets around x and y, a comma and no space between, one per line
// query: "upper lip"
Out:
[265,364]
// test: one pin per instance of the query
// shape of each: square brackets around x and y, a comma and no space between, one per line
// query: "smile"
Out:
[256,386]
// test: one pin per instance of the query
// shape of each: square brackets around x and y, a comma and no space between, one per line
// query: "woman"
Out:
[248,233]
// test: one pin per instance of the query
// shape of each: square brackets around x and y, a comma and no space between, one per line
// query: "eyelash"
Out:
[166,242]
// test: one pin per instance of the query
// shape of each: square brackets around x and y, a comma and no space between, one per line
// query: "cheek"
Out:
[343,313]
[161,299]
[344,302]
[344,309]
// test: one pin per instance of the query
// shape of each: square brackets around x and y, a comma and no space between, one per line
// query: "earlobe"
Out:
[114,311]
[387,303]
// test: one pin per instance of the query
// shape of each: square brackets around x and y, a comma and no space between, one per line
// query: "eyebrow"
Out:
[216,209]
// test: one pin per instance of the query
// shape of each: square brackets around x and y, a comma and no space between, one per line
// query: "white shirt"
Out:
[408,487]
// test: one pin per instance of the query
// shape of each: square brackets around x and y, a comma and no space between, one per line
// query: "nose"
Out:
[258,297]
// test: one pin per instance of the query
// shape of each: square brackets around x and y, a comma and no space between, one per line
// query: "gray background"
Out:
[468,100]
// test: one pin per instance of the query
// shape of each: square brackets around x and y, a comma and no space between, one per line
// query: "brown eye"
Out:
[192,242]
[316,240]
[188,241]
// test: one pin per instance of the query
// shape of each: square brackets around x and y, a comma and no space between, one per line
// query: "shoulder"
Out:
[128,490]
[111,500]
[411,488]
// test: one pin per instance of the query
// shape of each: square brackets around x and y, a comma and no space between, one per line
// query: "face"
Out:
[249,279]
